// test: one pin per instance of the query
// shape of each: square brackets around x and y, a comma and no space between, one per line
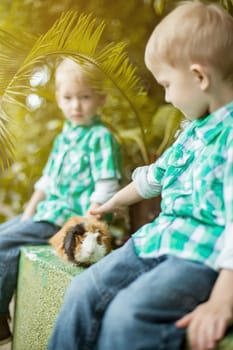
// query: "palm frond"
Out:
[14,47]
[6,143]
[79,38]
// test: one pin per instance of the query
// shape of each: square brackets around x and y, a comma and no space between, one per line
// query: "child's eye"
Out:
[86,97]
[66,97]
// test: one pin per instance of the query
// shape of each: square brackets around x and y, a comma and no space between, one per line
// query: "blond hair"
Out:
[194,32]
[84,72]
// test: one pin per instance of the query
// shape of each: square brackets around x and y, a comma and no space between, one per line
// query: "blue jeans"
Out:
[124,302]
[15,234]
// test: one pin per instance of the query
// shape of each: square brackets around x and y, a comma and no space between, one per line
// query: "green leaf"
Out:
[79,38]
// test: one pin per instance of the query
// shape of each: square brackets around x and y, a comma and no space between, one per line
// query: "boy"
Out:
[144,295]
[82,172]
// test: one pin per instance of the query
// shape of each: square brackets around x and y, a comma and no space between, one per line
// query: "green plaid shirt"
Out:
[196,177]
[80,156]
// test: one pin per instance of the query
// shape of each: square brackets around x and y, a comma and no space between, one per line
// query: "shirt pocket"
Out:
[75,168]
[208,184]
[208,194]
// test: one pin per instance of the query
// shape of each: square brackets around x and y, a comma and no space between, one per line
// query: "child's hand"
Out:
[103,209]
[126,196]
[206,324]
[93,207]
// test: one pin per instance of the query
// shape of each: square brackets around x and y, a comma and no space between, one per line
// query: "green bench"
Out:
[43,278]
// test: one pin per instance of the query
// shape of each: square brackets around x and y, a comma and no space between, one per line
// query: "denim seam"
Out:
[99,309]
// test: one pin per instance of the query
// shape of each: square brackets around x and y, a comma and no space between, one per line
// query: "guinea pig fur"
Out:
[82,241]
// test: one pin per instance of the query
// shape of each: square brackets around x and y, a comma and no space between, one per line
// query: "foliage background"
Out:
[131,21]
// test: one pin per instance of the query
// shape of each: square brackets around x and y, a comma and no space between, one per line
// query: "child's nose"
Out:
[76,103]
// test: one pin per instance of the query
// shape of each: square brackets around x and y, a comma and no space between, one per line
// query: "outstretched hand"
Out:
[107,207]
[206,325]
[126,196]
[93,206]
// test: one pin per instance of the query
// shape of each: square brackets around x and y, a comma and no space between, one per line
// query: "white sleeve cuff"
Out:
[104,190]
[145,183]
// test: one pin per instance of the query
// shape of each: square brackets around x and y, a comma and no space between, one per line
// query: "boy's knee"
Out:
[119,316]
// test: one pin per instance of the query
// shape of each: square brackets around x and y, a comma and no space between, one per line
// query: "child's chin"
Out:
[76,122]
[80,121]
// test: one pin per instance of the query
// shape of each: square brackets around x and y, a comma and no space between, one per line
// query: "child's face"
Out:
[182,90]
[78,102]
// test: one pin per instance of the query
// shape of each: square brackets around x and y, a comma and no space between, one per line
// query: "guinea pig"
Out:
[82,241]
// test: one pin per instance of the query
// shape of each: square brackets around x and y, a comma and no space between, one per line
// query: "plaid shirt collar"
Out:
[208,128]
[72,133]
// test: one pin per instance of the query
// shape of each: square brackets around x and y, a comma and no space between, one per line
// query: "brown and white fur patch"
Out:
[82,241]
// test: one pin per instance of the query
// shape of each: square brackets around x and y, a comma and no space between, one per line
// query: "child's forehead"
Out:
[153,63]
[72,83]
[162,72]
[85,76]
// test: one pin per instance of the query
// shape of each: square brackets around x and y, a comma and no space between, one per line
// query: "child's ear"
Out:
[201,75]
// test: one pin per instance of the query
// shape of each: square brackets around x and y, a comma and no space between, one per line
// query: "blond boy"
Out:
[82,172]
[176,271]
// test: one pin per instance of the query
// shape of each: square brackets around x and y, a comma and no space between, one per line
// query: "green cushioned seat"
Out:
[43,278]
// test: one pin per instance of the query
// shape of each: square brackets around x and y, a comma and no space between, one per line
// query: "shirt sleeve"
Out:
[149,179]
[228,182]
[145,183]
[105,157]
[225,259]
[104,190]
